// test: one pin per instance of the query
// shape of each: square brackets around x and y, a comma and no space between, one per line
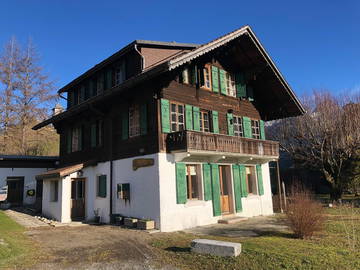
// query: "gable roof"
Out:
[174,62]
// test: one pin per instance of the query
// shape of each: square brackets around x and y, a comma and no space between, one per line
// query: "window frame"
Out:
[189,182]
[202,120]
[254,184]
[177,122]
[134,120]
[120,73]
[240,131]
[207,71]
[255,129]
[230,84]
[185,79]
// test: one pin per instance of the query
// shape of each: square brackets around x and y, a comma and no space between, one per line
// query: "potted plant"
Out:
[97,216]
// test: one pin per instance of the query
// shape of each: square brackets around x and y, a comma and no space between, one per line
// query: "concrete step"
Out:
[231,220]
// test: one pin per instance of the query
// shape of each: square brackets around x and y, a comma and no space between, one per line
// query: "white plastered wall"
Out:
[197,213]
[144,189]
[29,179]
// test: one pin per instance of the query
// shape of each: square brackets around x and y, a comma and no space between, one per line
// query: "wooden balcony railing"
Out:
[201,141]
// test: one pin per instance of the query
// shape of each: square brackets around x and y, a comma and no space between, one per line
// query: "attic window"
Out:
[120,73]
[185,76]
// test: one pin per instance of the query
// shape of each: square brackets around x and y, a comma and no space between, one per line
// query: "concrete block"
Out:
[130,222]
[213,247]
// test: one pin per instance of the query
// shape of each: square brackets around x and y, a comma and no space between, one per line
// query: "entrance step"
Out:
[231,220]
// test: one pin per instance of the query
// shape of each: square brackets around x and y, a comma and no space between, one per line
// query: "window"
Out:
[77,189]
[207,77]
[100,83]
[101,186]
[238,126]
[177,118]
[120,74]
[193,182]
[251,179]
[230,85]
[96,133]
[255,130]
[204,121]
[134,120]
[76,139]
[54,191]
[185,76]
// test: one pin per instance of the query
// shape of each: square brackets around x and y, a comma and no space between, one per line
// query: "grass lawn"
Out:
[15,248]
[330,249]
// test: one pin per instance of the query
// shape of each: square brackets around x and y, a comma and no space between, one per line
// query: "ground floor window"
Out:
[251,180]
[193,182]
[54,191]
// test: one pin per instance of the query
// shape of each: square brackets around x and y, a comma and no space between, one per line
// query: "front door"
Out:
[224,189]
[77,198]
[15,190]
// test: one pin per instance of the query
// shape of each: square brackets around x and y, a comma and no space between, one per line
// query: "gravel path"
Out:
[25,219]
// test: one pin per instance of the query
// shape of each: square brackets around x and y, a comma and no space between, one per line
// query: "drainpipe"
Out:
[111,170]
[142,57]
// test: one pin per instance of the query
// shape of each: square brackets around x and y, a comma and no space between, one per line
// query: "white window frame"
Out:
[177,115]
[230,85]
[185,76]
[207,77]
[198,173]
[255,190]
[202,120]
[255,129]
[238,126]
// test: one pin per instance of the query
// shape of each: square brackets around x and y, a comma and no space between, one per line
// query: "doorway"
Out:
[15,194]
[77,198]
[225,189]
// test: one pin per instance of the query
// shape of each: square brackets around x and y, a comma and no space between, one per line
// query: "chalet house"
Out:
[171,132]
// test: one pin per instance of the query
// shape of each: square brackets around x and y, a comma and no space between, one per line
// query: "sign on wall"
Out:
[142,162]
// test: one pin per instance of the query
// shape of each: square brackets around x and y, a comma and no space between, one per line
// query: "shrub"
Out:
[304,215]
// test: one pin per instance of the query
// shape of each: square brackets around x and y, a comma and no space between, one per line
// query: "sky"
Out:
[315,44]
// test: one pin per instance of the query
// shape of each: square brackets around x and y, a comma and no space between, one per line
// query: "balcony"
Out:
[201,142]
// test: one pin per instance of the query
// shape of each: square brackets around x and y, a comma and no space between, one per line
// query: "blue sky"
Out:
[315,44]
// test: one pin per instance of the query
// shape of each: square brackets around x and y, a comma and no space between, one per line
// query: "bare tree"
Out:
[34,95]
[9,63]
[326,138]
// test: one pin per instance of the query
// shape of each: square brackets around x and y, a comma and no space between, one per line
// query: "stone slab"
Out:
[213,247]
[232,220]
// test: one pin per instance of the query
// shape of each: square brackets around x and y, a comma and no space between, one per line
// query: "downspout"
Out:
[111,171]
[142,57]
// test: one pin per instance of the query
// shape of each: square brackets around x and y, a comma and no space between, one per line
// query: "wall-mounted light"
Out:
[188,154]
[80,173]
[223,157]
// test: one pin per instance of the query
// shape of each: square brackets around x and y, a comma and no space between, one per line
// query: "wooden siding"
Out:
[154,55]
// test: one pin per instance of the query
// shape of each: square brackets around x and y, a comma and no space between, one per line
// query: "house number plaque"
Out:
[142,162]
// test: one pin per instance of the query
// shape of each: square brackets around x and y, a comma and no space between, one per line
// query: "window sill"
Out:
[193,203]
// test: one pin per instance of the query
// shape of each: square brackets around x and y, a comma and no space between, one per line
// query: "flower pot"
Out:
[146,224]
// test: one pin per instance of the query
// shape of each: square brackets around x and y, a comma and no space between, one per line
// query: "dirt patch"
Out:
[94,247]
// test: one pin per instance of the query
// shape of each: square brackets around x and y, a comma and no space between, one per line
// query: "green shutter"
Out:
[237,187]
[181,190]
[250,92]
[189,117]
[240,85]
[102,186]
[215,186]
[215,79]
[165,115]
[260,180]
[244,191]
[215,121]
[207,182]
[143,119]
[196,115]
[223,81]
[93,135]
[230,124]
[68,141]
[247,127]
[262,130]
[125,124]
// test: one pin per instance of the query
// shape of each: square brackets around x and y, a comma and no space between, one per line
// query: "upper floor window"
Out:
[230,85]
[76,139]
[100,83]
[255,129]
[238,126]
[177,118]
[120,73]
[207,77]
[204,121]
[96,131]
[185,76]
[134,120]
